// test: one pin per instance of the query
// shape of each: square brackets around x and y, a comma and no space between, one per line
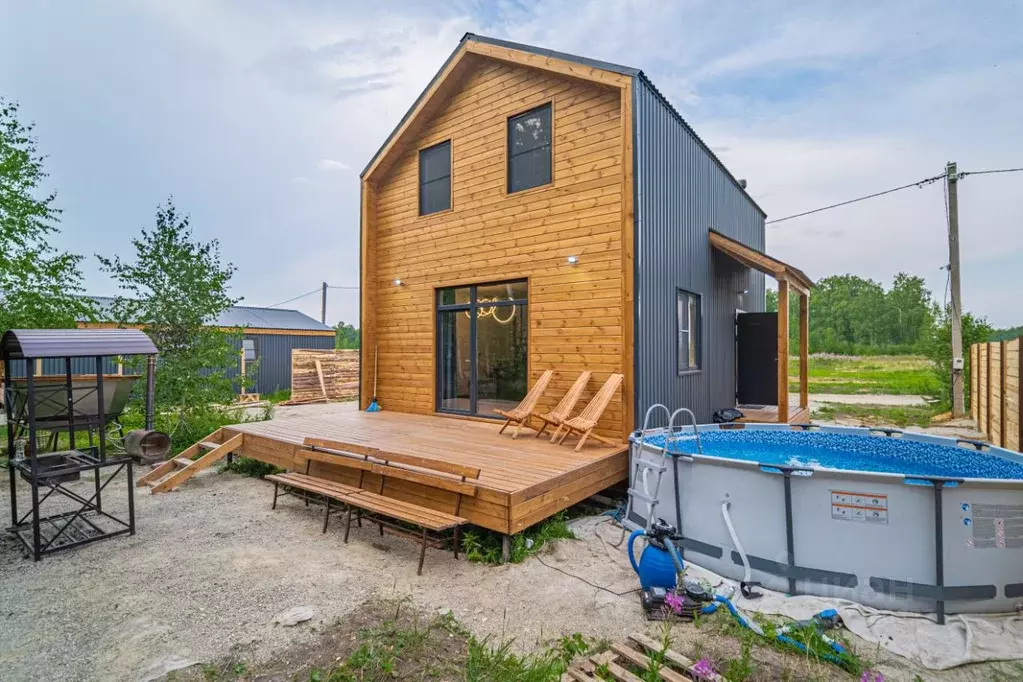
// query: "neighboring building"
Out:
[268,336]
[536,210]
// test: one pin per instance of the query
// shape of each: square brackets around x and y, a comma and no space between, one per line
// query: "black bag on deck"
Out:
[727,415]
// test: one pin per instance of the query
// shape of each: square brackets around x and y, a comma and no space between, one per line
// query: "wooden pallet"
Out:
[614,664]
[177,470]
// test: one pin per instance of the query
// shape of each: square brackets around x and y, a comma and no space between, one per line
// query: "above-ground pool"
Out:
[886,518]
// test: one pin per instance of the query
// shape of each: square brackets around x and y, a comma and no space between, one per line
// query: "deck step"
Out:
[182,461]
[207,445]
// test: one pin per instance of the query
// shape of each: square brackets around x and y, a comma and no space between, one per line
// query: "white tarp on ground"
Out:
[917,637]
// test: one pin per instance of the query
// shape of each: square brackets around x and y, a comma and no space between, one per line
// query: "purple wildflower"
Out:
[674,601]
[703,669]
[871,676]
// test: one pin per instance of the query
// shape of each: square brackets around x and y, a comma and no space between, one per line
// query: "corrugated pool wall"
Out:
[274,353]
[682,192]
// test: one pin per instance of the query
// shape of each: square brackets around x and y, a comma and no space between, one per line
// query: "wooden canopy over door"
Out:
[787,277]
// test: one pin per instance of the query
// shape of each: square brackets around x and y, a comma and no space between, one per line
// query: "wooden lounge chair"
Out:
[521,414]
[560,413]
[588,418]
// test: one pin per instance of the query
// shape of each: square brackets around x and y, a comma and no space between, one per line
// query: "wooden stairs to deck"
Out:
[619,662]
[176,471]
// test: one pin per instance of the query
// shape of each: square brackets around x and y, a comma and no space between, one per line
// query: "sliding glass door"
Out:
[481,347]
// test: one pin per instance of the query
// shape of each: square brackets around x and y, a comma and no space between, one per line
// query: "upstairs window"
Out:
[529,149]
[688,311]
[435,178]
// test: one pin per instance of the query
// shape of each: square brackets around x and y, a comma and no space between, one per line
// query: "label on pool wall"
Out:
[859,507]
[994,526]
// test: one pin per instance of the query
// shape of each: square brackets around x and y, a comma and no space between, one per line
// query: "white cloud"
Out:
[332,165]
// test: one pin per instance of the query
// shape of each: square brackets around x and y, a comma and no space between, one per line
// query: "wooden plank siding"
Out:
[996,391]
[985,392]
[994,366]
[579,316]
[1013,394]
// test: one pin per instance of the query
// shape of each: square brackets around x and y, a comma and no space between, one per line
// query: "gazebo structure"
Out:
[57,431]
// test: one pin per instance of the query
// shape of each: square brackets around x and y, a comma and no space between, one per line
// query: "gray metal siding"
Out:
[274,354]
[681,192]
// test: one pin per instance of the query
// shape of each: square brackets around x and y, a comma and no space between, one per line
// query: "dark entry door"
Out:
[756,351]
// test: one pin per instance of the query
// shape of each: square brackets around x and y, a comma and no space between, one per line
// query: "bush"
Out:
[252,467]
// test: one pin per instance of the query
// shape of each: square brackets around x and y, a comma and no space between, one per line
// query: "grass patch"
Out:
[484,546]
[879,415]
[882,374]
[279,396]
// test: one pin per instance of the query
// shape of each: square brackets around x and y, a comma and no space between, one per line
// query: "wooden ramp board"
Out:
[521,482]
[175,471]
[628,661]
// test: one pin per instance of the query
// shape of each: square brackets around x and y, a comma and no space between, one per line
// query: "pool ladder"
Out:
[638,482]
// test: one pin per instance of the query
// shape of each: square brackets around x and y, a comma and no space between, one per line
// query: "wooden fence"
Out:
[324,375]
[996,392]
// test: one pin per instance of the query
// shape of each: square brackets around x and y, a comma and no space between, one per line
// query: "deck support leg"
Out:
[348,523]
[326,516]
[456,540]
[422,553]
[274,505]
[505,548]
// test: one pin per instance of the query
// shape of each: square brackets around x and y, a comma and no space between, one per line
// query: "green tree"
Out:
[39,285]
[939,349]
[346,336]
[176,289]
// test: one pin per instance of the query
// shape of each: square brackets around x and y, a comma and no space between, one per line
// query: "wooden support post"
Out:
[783,351]
[987,426]
[241,384]
[1003,365]
[505,548]
[804,351]
[973,381]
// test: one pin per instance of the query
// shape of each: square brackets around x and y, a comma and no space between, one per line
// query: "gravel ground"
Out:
[211,565]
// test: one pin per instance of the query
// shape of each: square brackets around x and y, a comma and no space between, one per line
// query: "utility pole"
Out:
[952,182]
[323,303]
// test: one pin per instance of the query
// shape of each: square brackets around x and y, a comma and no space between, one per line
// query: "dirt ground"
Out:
[211,565]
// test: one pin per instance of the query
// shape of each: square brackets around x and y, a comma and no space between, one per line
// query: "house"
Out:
[536,210]
[268,336]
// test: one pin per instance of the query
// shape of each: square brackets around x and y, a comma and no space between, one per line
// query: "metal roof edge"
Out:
[714,157]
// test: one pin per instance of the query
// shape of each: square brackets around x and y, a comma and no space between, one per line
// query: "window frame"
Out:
[470,307]
[549,105]
[255,350]
[450,176]
[693,335]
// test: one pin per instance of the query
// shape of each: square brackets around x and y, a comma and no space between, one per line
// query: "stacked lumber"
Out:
[322,375]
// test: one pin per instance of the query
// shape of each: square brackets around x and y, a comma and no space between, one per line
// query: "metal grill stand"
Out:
[61,516]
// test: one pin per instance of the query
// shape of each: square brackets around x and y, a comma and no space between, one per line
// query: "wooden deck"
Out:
[522,481]
[769,414]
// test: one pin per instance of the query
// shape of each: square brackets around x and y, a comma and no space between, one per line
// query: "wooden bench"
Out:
[387,512]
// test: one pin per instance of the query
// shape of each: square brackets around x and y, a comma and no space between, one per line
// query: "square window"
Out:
[435,178]
[529,149]
[688,311]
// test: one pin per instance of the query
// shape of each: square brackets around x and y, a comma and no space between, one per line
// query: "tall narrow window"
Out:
[529,149]
[482,358]
[688,311]
[435,178]
[249,346]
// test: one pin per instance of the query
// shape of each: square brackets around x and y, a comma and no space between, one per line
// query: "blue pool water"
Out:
[846,452]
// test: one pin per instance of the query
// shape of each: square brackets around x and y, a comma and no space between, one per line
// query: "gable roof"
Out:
[478,44]
[248,317]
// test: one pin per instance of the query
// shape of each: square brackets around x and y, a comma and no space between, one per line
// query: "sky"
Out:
[258,116]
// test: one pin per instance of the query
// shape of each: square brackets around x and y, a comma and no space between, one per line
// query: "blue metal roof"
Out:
[585,61]
[249,317]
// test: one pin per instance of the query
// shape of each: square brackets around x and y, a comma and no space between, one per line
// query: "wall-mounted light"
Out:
[573,260]
[745,291]
[398,282]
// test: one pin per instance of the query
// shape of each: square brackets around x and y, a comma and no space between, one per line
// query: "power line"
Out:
[919,183]
[314,291]
[331,286]
[986,172]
